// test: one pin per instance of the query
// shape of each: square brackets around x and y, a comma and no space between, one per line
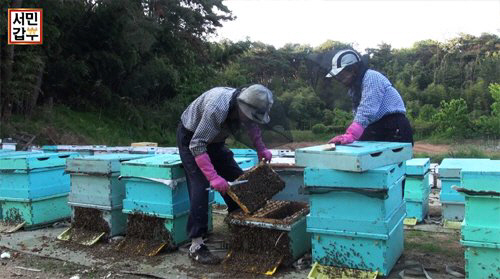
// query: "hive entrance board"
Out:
[12,221]
[146,235]
[325,272]
[87,228]
[263,183]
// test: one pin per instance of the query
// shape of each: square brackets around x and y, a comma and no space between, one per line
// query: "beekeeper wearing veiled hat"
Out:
[201,135]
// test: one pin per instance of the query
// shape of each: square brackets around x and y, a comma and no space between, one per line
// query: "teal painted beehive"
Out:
[447,194]
[358,225]
[365,251]
[293,177]
[379,178]
[367,205]
[37,211]
[277,224]
[94,180]
[156,185]
[418,166]
[481,177]
[417,209]
[482,219]
[34,175]
[247,154]
[482,259]
[417,188]
[452,167]
[359,156]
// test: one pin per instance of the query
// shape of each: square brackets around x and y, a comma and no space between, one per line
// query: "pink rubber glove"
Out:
[353,133]
[206,167]
[255,135]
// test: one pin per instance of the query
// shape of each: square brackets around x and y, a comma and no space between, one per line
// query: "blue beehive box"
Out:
[453,206]
[417,188]
[94,180]
[359,156]
[34,175]
[164,198]
[418,166]
[359,211]
[481,177]
[482,259]
[37,211]
[451,167]
[293,176]
[379,178]
[246,153]
[366,251]
[417,209]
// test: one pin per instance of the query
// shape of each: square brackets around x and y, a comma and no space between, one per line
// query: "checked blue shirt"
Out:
[378,98]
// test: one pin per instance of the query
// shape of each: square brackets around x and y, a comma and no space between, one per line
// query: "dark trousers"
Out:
[223,160]
[393,127]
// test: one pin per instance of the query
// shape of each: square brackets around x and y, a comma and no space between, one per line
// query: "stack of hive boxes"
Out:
[96,190]
[34,188]
[452,203]
[356,203]
[417,188]
[481,225]
[156,186]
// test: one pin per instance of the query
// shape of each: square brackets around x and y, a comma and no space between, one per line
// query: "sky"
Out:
[399,23]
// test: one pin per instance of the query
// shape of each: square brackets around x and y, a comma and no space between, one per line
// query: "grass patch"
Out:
[425,242]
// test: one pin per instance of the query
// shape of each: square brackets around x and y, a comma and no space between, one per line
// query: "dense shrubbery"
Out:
[144,61]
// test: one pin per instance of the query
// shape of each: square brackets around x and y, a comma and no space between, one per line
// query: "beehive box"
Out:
[89,225]
[417,188]
[356,207]
[293,176]
[447,194]
[482,259]
[247,154]
[35,212]
[83,150]
[156,185]
[452,211]
[379,178]
[482,219]
[365,251]
[452,167]
[481,177]
[418,166]
[359,156]
[147,234]
[34,175]
[360,224]
[417,209]
[94,180]
[275,234]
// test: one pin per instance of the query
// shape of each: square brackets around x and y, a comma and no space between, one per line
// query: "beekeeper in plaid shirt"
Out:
[204,126]
[379,111]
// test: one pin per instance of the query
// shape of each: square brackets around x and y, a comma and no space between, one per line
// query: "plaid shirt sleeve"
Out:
[378,98]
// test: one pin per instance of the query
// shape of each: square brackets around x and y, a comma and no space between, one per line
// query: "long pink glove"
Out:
[352,134]
[256,137]
[205,165]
